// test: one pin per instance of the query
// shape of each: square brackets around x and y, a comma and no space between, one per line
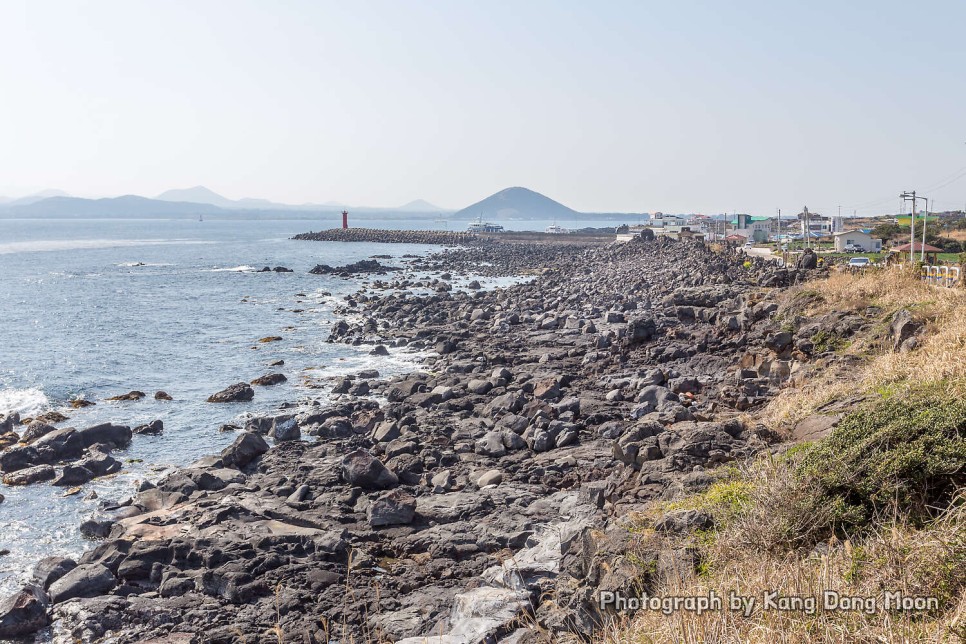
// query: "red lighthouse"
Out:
[345,219]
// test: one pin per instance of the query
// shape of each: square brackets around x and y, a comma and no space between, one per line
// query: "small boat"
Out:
[556,230]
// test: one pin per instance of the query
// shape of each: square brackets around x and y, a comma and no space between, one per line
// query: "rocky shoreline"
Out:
[485,497]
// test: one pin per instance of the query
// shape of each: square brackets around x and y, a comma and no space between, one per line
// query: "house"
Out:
[759,229]
[857,238]
[673,226]
[824,226]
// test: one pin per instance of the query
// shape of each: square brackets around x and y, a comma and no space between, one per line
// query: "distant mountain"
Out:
[420,205]
[35,197]
[517,203]
[198,194]
[255,204]
[126,206]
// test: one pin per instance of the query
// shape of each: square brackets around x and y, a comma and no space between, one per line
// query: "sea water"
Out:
[93,309]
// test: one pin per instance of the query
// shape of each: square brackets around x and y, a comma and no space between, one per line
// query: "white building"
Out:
[823,226]
[859,239]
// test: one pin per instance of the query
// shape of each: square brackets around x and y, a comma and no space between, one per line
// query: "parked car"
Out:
[854,248]
[860,262]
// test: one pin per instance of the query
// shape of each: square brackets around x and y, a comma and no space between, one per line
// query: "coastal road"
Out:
[761,252]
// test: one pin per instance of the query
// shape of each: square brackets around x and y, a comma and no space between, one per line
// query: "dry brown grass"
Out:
[928,562]
[940,359]
[766,544]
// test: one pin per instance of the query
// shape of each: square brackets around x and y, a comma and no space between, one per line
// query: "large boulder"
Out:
[392,508]
[510,402]
[59,445]
[239,392]
[131,395]
[547,389]
[107,434]
[640,330]
[362,469]
[244,450]
[154,427]
[35,430]
[654,398]
[287,430]
[99,462]
[903,329]
[490,477]
[50,569]
[479,387]
[87,580]
[491,444]
[35,474]
[17,458]
[8,422]
[269,379]
[73,475]
[24,613]
[683,521]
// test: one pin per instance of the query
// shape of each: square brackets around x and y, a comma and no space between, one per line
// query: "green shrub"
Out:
[827,341]
[905,455]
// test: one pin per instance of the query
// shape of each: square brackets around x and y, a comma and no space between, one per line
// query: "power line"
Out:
[942,183]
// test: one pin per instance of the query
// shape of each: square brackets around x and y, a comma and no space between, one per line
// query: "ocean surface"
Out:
[96,308]
[93,309]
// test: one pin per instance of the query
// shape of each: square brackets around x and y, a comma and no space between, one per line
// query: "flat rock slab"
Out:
[815,427]
[88,580]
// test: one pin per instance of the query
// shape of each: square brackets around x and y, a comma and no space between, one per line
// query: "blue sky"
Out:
[605,106]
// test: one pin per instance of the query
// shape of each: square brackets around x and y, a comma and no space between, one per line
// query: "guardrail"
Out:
[948,276]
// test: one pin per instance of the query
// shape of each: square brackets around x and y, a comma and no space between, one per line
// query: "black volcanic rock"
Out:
[239,392]
[362,266]
[24,613]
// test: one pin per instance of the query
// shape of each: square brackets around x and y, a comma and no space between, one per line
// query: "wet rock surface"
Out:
[488,485]
[362,266]
[239,392]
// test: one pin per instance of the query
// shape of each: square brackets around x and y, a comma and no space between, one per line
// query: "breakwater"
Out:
[375,235]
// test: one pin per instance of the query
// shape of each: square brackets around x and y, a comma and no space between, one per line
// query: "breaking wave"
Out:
[26,402]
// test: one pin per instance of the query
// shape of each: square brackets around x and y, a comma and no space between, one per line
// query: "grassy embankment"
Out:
[877,506]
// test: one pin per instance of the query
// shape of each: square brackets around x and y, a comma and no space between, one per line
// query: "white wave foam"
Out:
[234,269]
[26,402]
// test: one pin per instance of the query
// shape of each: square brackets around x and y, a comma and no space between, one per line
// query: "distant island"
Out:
[517,203]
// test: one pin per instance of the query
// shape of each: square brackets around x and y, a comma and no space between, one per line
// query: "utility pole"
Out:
[808,230]
[911,196]
[925,218]
[912,224]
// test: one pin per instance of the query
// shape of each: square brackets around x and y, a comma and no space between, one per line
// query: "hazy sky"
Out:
[631,106]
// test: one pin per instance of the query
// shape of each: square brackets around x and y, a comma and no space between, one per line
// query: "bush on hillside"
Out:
[902,456]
